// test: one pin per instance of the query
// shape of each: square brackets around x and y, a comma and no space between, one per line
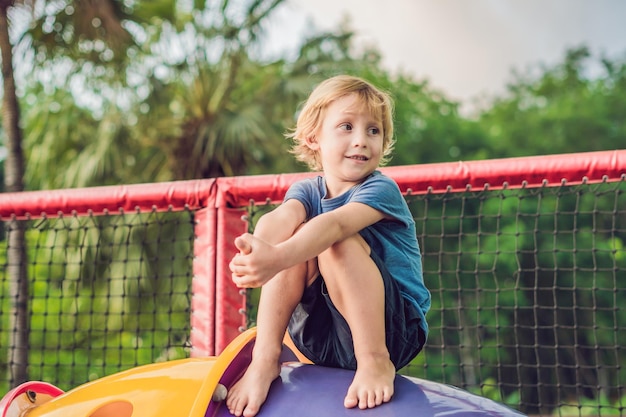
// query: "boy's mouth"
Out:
[358,157]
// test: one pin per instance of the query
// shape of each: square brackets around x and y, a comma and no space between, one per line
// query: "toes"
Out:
[387,394]
[350,401]
[234,407]
[378,399]
[236,411]
[250,411]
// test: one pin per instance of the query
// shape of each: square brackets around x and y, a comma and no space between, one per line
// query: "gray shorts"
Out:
[321,333]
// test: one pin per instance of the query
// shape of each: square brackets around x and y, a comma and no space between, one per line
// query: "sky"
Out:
[465,48]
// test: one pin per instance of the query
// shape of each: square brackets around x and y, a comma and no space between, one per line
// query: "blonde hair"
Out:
[375,101]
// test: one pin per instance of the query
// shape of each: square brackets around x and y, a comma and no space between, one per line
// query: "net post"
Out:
[203,302]
[230,301]
[217,305]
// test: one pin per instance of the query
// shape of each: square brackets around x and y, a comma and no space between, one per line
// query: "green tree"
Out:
[77,122]
[177,109]
[561,110]
[224,114]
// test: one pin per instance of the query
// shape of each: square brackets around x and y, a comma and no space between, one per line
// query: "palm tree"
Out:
[223,112]
[13,181]
[213,107]
[107,28]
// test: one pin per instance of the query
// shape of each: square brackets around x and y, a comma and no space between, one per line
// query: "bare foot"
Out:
[372,384]
[247,396]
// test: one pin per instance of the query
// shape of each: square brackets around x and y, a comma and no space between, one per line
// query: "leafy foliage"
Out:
[561,110]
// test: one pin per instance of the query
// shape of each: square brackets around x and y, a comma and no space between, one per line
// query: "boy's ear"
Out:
[311,142]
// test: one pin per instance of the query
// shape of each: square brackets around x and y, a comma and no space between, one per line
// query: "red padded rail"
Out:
[114,198]
[531,171]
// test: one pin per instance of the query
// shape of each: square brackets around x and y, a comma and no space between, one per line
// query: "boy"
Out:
[338,260]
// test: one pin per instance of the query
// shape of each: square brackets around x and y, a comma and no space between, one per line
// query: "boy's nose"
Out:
[359,139]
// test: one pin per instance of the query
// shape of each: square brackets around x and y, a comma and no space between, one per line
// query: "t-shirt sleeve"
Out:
[302,191]
[383,194]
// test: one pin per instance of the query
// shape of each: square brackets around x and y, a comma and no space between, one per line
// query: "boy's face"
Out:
[349,142]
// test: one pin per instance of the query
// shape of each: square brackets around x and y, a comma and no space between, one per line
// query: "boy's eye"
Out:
[373,131]
[346,126]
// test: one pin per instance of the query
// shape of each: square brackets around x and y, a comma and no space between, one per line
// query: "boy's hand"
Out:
[255,264]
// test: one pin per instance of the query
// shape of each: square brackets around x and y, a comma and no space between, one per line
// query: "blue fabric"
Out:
[393,241]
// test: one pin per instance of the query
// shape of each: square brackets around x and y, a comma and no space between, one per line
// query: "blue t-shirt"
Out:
[394,240]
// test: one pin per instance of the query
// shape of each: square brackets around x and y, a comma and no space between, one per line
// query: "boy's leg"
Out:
[279,297]
[356,288]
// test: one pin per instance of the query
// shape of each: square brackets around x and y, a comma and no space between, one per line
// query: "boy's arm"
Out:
[279,224]
[262,259]
[321,232]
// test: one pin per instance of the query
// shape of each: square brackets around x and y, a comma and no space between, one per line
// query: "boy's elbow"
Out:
[277,224]
[337,228]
